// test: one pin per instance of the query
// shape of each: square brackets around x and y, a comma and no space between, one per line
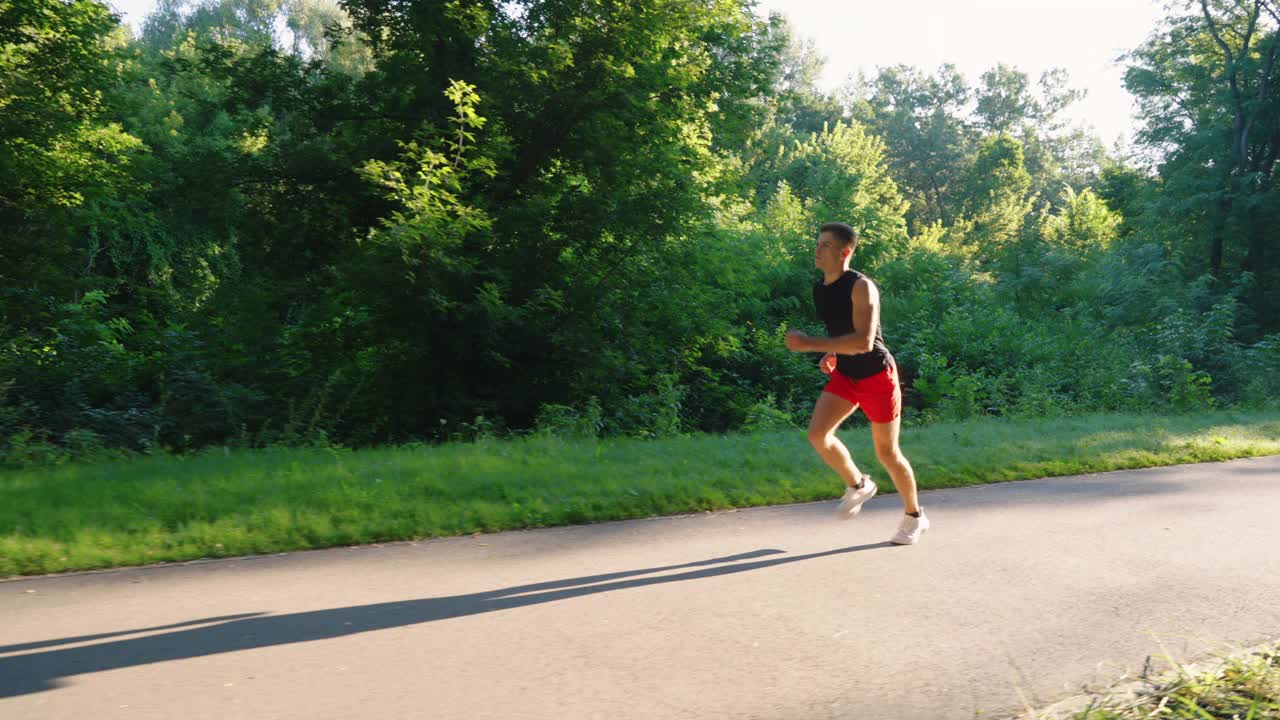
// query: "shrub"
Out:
[765,415]
[565,421]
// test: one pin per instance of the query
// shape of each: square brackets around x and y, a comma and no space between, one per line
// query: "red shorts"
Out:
[879,396]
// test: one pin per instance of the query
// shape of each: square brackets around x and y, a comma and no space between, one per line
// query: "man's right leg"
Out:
[828,413]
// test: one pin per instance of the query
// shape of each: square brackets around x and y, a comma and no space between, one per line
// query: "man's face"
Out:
[829,253]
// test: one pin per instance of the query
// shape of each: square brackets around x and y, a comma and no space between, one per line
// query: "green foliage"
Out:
[655,414]
[935,126]
[24,449]
[921,118]
[1261,362]
[455,220]
[65,166]
[1083,226]
[996,204]
[55,150]
[79,375]
[1054,155]
[1211,121]
[1062,263]
[766,416]
[840,174]
[565,421]
[429,184]
[953,394]
[1244,686]
[1188,389]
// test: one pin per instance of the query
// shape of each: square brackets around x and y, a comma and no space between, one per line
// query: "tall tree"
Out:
[1007,102]
[1250,71]
[607,126]
[997,200]
[1206,85]
[63,164]
[923,120]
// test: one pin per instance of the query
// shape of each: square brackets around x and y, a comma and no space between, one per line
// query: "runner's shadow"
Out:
[102,636]
[45,670]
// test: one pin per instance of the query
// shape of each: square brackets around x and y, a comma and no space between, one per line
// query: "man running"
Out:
[862,374]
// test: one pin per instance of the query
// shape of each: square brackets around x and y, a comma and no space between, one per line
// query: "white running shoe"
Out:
[851,503]
[910,530]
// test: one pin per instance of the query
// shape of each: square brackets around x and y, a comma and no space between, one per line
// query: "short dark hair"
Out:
[847,236]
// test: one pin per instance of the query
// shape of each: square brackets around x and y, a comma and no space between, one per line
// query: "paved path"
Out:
[1021,590]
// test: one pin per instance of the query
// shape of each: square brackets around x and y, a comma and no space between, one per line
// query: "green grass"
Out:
[1242,688]
[229,502]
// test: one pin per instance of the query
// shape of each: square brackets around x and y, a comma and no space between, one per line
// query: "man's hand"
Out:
[797,341]
[828,363]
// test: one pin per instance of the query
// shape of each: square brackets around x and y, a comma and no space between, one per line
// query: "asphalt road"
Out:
[1021,593]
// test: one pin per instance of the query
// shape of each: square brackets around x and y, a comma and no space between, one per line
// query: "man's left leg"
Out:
[914,522]
[885,436]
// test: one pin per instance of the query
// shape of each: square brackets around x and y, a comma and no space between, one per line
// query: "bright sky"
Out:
[1082,36]
[133,11]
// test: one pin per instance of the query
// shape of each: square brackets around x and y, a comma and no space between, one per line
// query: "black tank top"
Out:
[835,309]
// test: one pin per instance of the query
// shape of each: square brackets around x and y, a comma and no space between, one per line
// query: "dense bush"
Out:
[388,234]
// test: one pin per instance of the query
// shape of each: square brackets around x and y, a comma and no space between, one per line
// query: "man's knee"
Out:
[889,455]
[820,439]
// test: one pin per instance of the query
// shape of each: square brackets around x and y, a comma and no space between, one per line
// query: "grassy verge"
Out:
[225,503]
[1244,687]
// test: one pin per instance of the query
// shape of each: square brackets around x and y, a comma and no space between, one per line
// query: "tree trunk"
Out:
[1219,233]
[1254,259]
[937,197]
